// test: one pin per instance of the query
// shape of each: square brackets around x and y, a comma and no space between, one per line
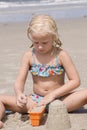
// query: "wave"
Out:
[27,3]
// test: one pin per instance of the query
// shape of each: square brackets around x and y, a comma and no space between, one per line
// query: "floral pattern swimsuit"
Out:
[46,70]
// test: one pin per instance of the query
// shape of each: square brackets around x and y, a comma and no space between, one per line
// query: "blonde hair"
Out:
[44,24]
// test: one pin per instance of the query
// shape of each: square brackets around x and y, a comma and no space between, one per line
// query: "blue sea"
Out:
[22,10]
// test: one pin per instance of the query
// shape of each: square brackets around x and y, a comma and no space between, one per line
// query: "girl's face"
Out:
[42,43]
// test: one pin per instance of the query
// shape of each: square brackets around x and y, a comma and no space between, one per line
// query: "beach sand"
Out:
[13,44]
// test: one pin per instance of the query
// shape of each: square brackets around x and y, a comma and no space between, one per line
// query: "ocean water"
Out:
[24,3]
[22,10]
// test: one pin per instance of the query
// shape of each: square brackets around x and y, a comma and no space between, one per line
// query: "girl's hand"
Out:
[31,104]
[46,100]
[21,100]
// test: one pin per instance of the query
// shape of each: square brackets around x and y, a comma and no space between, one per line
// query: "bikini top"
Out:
[46,70]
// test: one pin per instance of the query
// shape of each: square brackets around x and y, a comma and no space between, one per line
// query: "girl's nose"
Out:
[40,47]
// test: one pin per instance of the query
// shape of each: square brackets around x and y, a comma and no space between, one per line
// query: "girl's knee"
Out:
[1,98]
[86,95]
[1,124]
[83,95]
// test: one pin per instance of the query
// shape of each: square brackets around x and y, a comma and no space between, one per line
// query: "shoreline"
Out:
[19,14]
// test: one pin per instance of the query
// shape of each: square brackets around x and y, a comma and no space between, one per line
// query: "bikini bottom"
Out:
[37,98]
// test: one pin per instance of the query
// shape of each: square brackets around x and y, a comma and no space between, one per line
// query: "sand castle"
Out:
[58,118]
[57,115]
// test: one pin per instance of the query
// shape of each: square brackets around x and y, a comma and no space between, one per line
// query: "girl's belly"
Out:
[43,88]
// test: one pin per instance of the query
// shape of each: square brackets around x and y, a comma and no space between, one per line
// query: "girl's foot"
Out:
[1,124]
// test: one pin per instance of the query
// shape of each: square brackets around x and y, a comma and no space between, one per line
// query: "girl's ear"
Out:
[54,38]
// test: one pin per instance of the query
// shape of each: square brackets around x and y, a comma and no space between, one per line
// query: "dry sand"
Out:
[13,44]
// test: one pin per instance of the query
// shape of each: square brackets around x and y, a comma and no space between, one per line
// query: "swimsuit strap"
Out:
[33,56]
[56,56]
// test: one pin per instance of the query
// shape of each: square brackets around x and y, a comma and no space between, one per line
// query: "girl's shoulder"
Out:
[62,52]
[63,56]
[28,53]
[27,56]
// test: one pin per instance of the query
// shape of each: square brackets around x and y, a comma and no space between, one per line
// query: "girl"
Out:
[48,64]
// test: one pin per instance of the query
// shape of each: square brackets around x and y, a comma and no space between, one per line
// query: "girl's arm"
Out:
[72,83]
[72,75]
[21,79]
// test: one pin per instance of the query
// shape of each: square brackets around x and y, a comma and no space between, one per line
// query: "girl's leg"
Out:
[75,100]
[9,102]
[2,112]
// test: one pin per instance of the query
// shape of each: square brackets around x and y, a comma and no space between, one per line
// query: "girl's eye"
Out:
[44,42]
[35,42]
